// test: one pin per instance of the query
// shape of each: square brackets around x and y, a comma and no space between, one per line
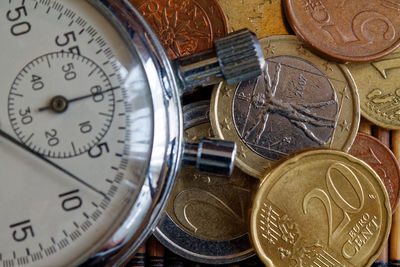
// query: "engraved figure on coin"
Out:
[286,95]
[263,101]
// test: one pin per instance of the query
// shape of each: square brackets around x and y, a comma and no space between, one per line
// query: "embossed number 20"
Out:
[334,194]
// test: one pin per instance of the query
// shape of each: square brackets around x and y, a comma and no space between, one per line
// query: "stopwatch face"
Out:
[76,126]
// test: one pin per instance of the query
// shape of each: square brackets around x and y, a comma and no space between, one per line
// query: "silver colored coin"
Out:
[206,218]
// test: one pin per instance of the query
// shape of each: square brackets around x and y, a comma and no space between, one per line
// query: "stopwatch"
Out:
[91,128]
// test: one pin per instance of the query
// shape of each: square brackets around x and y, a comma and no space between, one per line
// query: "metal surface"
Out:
[379,91]
[235,57]
[211,156]
[355,31]
[167,146]
[184,27]
[382,160]
[206,218]
[300,101]
[321,208]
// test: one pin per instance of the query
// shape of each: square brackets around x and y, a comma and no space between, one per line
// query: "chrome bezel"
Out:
[168,134]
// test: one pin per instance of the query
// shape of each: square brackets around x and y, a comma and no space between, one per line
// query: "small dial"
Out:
[61,104]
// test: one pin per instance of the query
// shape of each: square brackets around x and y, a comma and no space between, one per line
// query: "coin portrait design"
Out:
[335,213]
[300,101]
[184,27]
[292,106]
[347,30]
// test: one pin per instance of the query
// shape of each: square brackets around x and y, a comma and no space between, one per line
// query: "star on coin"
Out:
[226,92]
[241,152]
[328,66]
[202,178]
[225,125]
[302,51]
[344,93]
[269,49]
[190,137]
[345,126]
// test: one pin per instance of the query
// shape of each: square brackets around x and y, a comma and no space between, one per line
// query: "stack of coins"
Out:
[315,184]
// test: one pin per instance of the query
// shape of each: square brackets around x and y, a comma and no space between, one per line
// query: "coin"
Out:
[381,159]
[207,217]
[347,30]
[320,208]
[184,26]
[378,84]
[301,101]
[263,17]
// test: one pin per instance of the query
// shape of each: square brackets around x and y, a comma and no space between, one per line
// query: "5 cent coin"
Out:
[347,30]
[321,208]
[184,26]
[382,160]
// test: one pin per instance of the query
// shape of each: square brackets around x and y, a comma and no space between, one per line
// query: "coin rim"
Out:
[313,44]
[272,177]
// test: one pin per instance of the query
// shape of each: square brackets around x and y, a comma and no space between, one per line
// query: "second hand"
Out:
[58,167]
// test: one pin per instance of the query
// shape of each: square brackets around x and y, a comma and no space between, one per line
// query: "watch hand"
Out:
[60,104]
[16,142]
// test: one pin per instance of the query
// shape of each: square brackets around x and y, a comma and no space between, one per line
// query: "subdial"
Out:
[61,104]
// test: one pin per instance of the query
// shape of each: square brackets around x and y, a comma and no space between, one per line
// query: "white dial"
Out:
[76,130]
[61,104]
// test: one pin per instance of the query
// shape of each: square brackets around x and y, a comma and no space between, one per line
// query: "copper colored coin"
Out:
[382,160]
[184,26]
[347,30]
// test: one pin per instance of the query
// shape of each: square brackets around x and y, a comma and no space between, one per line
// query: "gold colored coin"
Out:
[263,17]
[321,208]
[379,89]
[300,101]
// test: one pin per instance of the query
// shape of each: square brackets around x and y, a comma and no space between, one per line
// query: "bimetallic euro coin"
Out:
[300,101]
[321,208]
[378,84]
[207,218]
